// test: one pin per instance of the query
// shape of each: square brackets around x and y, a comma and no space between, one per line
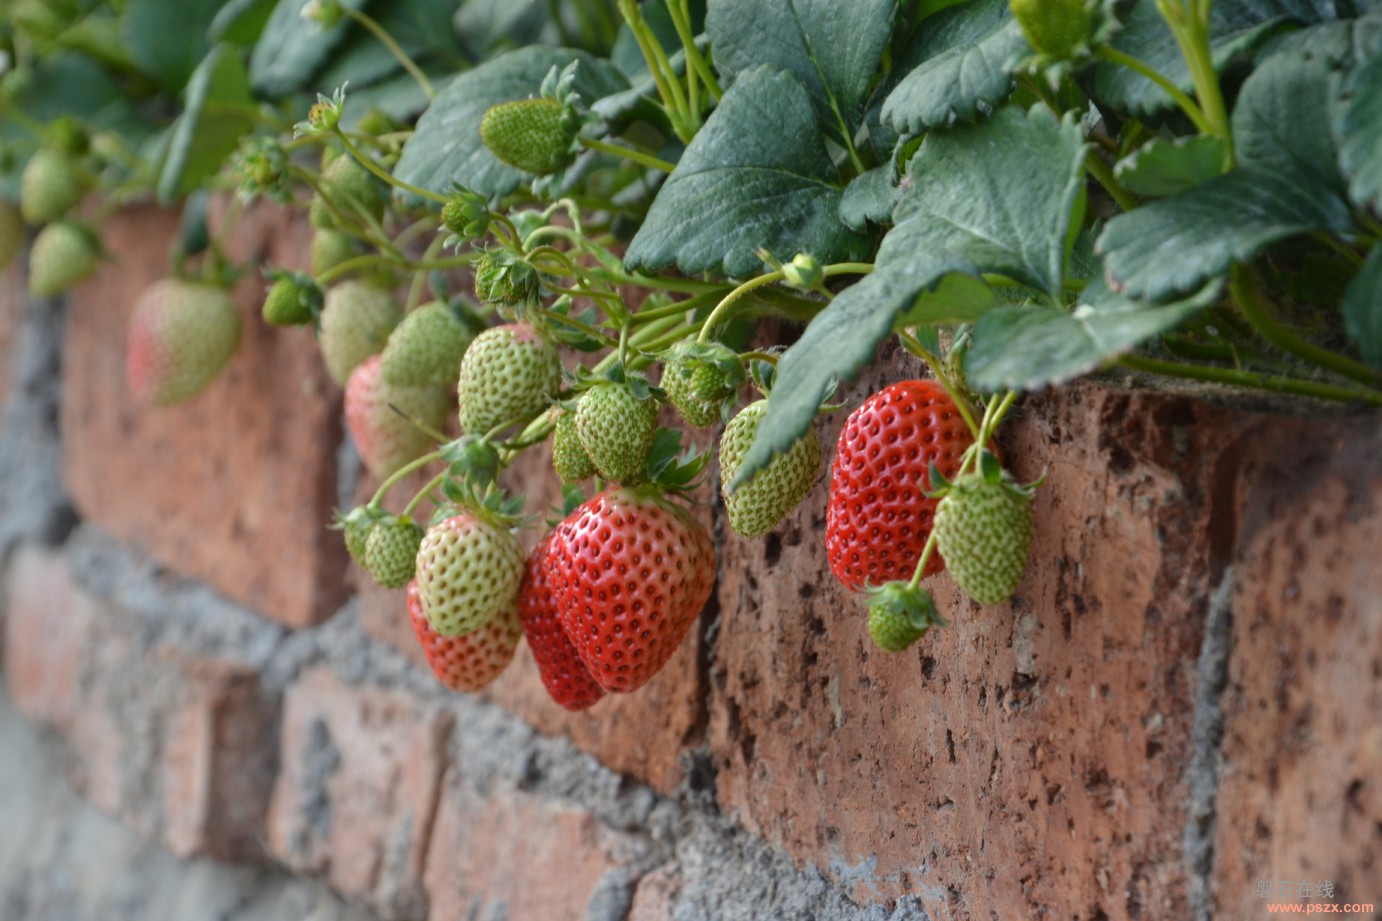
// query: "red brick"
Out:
[656,895]
[236,486]
[46,623]
[537,859]
[355,799]
[1300,782]
[11,312]
[1027,760]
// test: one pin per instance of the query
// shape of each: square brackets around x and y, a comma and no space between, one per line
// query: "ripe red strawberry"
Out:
[465,663]
[631,572]
[355,323]
[508,374]
[468,572]
[563,673]
[181,335]
[878,519]
[385,439]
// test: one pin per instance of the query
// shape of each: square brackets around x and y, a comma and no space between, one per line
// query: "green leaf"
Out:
[742,184]
[422,28]
[956,299]
[1362,307]
[1360,136]
[832,48]
[1001,194]
[168,40]
[1179,243]
[1236,27]
[219,111]
[1165,166]
[240,22]
[959,68]
[446,145]
[1283,120]
[870,197]
[398,97]
[291,49]
[841,340]
[1027,348]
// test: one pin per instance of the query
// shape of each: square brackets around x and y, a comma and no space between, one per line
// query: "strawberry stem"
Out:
[397,476]
[629,153]
[394,49]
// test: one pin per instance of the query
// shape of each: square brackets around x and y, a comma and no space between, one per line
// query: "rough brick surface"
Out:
[46,622]
[236,486]
[11,310]
[1300,786]
[357,792]
[656,895]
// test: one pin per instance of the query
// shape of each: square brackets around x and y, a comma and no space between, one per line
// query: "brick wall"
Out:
[1180,703]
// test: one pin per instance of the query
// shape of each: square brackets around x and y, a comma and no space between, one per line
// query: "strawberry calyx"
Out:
[900,613]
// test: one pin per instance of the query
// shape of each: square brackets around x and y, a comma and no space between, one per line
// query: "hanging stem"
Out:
[628,153]
[394,49]
[1186,104]
[384,174]
[1252,379]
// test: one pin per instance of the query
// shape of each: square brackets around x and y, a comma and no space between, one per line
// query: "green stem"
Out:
[398,475]
[665,80]
[1247,294]
[926,552]
[1190,26]
[1251,379]
[675,309]
[628,153]
[722,309]
[394,48]
[1104,174]
[419,282]
[681,19]
[1178,96]
[423,493]
[586,328]
[385,176]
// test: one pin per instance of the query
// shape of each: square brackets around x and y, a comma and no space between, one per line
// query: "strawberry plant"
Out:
[542,210]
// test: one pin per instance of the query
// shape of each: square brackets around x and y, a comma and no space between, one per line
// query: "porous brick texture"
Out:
[1179,705]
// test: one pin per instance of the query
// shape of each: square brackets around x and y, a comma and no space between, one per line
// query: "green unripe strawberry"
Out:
[533,135]
[759,505]
[616,428]
[293,300]
[984,531]
[50,187]
[427,347]
[391,551]
[351,187]
[899,615]
[508,374]
[181,335]
[63,254]
[699,379]
[355,527]
[503,278]
[355,323]
[468,572]
[1055,28]
[11,233]
[330,248]
[568,454]
[466,215]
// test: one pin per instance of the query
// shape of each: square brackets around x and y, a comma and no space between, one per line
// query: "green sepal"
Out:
[989,468]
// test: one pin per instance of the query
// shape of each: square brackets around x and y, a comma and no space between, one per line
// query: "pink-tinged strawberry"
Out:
[508,374]
[181,335]
[355,323]
[631,572]
[465,663]
[878,518]
[563,674]
[385,439]
[468,572]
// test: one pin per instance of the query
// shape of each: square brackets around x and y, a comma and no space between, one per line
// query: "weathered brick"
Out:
[656,895]
[505,853]
[46,622]
[357,792]
[1300,782]
[236,486]
[1027,760]
[11,309]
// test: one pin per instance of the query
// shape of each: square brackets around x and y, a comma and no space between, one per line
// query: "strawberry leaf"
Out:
[220,111]
[1360,136]
[757,175]
[168,40]
[1165,166]
[870,197]
[290,49]
[1283,119]
[1363,309]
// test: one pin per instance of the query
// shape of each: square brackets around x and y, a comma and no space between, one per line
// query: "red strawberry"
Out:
[465,663]
[181,335]
[385,439]
[631,572]
[563,673]
[878,518]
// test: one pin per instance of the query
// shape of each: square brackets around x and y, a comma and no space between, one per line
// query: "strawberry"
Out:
[984,528]
[503,278]
[351,188]
[899,615]
[356,526]
[700,379]
[616,429]
[508,374]
[385,439]
[426,348]
[355,323]
[11,233]
[391,551]
[292,300]
[63,255]
[181,335]
[878,519]
[330,248]
[50,187]
[563,674]
[630,572]
[465,663]
[468,573]
[1054,28]
[758,506]
[534,135]
[568,454]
